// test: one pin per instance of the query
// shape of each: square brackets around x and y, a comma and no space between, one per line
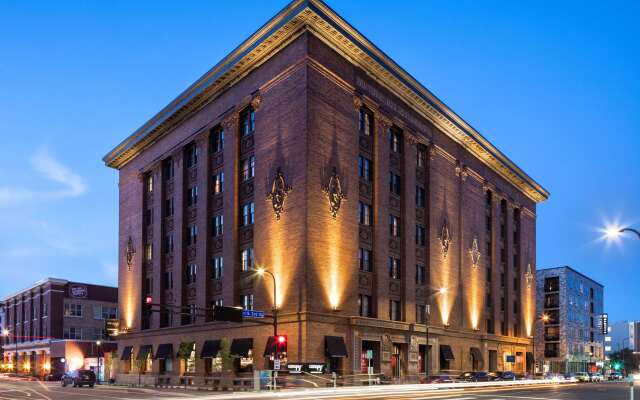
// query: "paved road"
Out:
[21,390]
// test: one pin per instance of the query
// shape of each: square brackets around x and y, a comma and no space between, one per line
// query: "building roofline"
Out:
[55,281]
[316,17]
[573,270]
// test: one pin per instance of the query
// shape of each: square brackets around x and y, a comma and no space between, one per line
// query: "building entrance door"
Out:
[397,360]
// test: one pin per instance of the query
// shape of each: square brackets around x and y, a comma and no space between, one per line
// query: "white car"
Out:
[596,377]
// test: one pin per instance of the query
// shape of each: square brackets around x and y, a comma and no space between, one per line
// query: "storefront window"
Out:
[191,362]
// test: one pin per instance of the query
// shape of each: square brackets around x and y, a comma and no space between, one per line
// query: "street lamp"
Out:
[427,313]
[261,272]
[544,318]
[6,334]
[615,232]
[98,343]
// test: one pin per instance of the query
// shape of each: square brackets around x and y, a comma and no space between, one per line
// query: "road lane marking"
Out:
[496,396]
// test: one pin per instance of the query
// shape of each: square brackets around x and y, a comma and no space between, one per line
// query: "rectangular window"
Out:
[365,214]
[109,312]
[191,156]
[394,226]
[247,121]
[148,251]
[218,267]
[364,305]
[394,268]
[246,258]
[248,168]
[72,310]
[394,183]
[149,216]
[72,333]
[421,313]
[421,157]
[364,258]
[168,207]
[247,301]
[192,272]
[364,168]
[218,225]
[491,327]
[552,284]
[217,139]
[218,302]
[167,280]
[218,183]
[421,274]
[45,310]
[247,213]
[167,169]
[192,196]
[395,313]
[365,123]
[149,183]
[192,235]
[395,141]
[421,196]
[168,244]
[420,235]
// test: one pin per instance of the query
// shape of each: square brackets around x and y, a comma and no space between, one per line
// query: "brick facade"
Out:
[307,98]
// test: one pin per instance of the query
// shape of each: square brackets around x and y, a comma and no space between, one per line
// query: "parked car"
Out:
[615,376]
[505,376]
[552,376]
[596,377]
[476,376]
[582,377]
[437,379]
[53,376]
[79,377]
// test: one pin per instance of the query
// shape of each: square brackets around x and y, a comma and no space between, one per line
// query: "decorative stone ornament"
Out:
[278,193]
[474,252]
[528,276]
[335,193]
[445,238]
[129,252]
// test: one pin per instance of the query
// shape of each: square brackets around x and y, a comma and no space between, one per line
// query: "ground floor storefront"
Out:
[55,357]
[313,344]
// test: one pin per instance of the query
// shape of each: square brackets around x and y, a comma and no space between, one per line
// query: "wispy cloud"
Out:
[72,184]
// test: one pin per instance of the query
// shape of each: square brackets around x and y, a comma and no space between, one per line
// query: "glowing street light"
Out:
[261,272]
[614,232]
[427,313]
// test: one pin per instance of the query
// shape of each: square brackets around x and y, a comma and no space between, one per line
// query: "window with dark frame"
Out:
[247,121]
[216,139]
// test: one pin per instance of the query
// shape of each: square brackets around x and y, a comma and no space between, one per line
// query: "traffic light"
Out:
[146,306]
[617,366]
[281,343]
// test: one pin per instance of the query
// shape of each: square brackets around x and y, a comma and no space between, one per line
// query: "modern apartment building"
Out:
[54,326]
[568,333]
[622,335]
[308,152]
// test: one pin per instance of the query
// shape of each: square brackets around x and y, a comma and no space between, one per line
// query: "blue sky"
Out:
[554,86]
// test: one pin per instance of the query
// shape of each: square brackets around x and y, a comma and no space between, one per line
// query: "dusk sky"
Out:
[555,87]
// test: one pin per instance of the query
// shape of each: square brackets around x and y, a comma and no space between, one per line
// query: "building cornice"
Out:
[316,17]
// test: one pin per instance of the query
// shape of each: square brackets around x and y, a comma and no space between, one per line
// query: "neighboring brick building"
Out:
[571,340]
[311,153]
[54,325]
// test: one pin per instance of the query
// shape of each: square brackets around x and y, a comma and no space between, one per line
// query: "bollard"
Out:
[631,386]
[334,377]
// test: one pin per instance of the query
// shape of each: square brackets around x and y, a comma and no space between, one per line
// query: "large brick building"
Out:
[55,326]
[309,152]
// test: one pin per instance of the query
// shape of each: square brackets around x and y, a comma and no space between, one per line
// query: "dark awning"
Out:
[269,348]
[210,349]
[446,353]
[144,352]
[477,354]
[164,351]
[126,353]
[335,347]
[241,347]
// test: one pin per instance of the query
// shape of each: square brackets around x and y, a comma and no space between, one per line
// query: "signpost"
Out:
[252,314]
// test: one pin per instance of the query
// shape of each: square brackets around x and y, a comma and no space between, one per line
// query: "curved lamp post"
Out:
[427,314]
[615,232]
[261,272]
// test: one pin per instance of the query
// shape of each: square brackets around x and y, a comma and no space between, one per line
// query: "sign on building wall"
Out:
[78,291]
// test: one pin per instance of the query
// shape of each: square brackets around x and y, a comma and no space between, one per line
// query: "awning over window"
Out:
[144,352]
[164,351]
[210,349]
[477,354]
[335,347]
[241,347]
[446,353]
[126,353]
